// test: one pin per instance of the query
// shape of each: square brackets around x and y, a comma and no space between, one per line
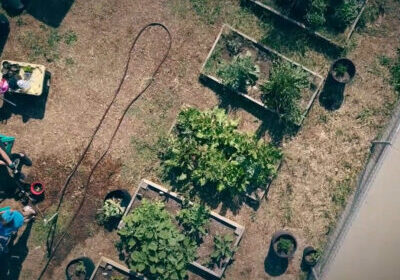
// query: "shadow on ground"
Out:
[274,265]
[11,264]
[29,107]
[332,95]
[50,12]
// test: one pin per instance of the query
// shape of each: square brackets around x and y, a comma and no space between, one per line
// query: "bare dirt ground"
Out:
[321,162]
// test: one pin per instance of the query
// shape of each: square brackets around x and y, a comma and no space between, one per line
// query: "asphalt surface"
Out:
[370,248]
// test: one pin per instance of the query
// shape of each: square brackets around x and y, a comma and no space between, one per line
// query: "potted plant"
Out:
[113,208]
[37,188]
[79,269]
[284,244]
[310,256]
[343,70]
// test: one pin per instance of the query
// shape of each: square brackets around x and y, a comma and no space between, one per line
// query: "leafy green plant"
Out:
[313,256]
[194,220]
[28,69]
[110,211]
[340,70]
[206,152]
[282,92]
[285,246]
[316,13]
[345,13]
[222,250]
[152,245]
[80,269]
[239,74]
[233,44]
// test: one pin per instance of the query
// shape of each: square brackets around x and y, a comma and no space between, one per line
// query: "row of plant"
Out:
[206,154]
[332,16]
[245,67]
[159,246]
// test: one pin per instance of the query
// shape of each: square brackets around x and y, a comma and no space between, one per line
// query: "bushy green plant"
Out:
[233,44]
[316,13]
[80,269]
[282,92]
[194,220]
[340,70]
[285,245]
[152,245]
[207,151]
[110,211]
[239,74]
[222,249]
[345,13]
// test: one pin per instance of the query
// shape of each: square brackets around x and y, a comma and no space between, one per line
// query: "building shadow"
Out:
[29,107]
[50,12]
[274,265]
[332,95]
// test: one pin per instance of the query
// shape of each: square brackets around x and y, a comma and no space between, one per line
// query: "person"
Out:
[6,160]
[12,220]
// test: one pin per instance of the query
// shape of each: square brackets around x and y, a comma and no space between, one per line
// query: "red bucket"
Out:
[37,188]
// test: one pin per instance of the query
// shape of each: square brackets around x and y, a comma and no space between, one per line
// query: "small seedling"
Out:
[340,70]
[80,269]
[313,257]
[285,245]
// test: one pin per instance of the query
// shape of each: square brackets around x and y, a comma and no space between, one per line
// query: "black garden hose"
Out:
[51,246]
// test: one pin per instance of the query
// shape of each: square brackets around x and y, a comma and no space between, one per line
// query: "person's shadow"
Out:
[18,254]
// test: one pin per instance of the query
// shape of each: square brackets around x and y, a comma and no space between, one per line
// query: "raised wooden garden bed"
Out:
[338,39]
[106,269]
[218,225]
[264,57]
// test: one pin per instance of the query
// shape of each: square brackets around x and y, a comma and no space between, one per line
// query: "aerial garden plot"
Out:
[198,147]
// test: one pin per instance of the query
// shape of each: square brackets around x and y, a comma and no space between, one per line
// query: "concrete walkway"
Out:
[370,249]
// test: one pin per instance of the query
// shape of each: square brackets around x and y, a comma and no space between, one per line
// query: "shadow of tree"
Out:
[50,12]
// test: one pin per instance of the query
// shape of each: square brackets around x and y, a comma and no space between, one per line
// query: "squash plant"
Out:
[111,211]
[282,92]
[152,245]
[206,151]
[222,250]
[194,219]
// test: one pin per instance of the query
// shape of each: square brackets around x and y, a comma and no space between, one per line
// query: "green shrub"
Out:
[285,245]
[233,43]
[239,74]
[222,249]
[207,152]
[282,92]
[152,245]
[194,219]
[316,13]
[345,13]
[110,211]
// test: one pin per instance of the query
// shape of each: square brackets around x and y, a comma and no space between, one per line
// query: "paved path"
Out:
[371,247]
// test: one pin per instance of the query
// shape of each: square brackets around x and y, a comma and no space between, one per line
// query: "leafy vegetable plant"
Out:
[194,220]
[239,74]
[340,70]
[80,269]
[233,43]
[285,246]
[282,92]
[152,245]
[316,13]
[111,211]
[345,13]
[222,249]
[206,152]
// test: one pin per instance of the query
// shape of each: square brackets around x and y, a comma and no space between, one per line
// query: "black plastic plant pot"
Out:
[71,270]
[124,195]
[4,26]
[284,239]
[343,70]
[309,256]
